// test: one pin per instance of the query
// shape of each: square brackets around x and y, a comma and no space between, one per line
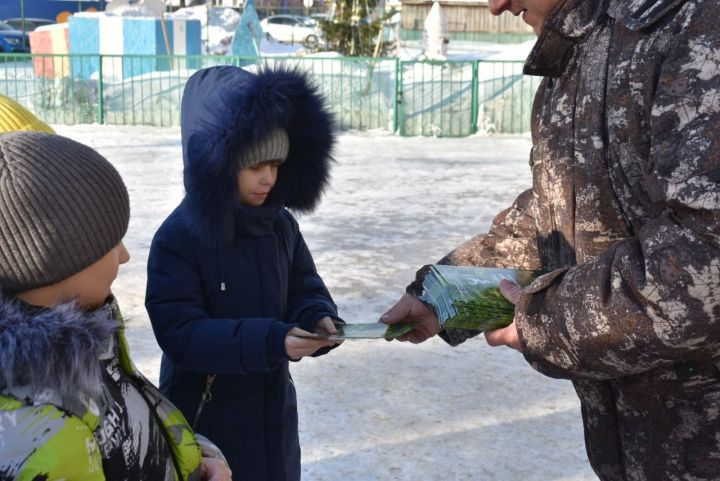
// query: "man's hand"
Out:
[214,469]
[410,308]
[506,336]
[299,347]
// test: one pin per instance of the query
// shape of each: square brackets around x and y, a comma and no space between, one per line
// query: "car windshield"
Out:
[5,26]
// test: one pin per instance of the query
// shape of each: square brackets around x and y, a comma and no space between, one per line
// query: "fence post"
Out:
[398,93]
[475,107]
[101,95]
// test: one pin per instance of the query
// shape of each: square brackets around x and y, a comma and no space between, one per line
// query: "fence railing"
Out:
[449,98]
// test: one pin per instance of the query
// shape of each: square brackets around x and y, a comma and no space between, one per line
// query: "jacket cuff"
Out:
[534,332]
[532,296]
[416,287]
[455,337]
[276,341]
[253,352]
[263,344]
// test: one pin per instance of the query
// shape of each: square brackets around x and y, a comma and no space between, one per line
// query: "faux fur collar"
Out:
[52,349]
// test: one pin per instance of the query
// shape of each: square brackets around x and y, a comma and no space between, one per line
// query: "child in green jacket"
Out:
[72,405]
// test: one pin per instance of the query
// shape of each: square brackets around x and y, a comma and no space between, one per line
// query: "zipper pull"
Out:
[222,287]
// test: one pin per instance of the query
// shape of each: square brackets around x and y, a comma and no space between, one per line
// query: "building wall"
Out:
[49,9]
[462,17]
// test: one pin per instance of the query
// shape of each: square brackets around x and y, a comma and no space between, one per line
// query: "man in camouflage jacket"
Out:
[625,213]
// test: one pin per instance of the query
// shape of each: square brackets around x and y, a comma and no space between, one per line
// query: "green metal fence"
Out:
[447,99]
[438,98]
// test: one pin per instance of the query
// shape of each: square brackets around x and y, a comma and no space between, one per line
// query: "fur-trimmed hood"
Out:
[56,349]
[226,108]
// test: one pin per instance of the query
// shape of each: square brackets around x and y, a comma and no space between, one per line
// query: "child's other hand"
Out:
[299,347]
[325,326]
[214,469]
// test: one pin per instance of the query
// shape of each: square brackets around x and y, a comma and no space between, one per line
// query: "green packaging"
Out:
[469,297]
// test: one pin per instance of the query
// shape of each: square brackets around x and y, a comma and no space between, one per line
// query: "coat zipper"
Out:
[206,398]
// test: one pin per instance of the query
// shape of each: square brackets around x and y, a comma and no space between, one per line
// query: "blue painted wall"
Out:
[142,37]
[193,41]
[46,8]
[84,37]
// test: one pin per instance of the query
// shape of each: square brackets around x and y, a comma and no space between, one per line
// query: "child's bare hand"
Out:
[214,469]
[325,326]
[299,347]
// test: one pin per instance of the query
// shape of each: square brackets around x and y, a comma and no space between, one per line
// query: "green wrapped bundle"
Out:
[469,297]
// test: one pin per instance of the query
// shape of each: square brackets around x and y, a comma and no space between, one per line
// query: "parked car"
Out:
[30,23]
[11,40]
[320,17]
[292,29]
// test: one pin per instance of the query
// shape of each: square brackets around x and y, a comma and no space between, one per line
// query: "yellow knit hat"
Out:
[14,117]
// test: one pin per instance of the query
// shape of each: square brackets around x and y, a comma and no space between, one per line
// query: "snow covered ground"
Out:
[374,410]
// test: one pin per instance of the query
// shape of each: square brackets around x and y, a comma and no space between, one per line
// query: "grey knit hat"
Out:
[274,146]
[62,207]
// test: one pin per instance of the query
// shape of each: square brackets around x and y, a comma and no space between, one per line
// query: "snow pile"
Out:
[132,11]
[461,50]
[217,23]
[141,8]
[519,51]
[271,47]
[199,12]
[435,35]
[52,26]
[221,30]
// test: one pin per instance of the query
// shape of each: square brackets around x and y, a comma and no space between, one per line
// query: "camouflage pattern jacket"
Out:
[625,213]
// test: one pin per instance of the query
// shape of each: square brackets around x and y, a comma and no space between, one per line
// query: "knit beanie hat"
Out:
[274,146]
[63,206]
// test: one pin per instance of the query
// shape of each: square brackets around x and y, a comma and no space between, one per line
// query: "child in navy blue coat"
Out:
[230,278]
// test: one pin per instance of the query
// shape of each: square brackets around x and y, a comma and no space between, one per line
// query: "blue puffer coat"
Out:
[227,282]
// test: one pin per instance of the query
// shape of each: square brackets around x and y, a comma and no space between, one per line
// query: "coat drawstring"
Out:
[223,285]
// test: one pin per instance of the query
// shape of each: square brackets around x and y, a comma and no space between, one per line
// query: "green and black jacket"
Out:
[64,377]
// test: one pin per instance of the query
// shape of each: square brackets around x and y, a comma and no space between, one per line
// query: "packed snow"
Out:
[377,410]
